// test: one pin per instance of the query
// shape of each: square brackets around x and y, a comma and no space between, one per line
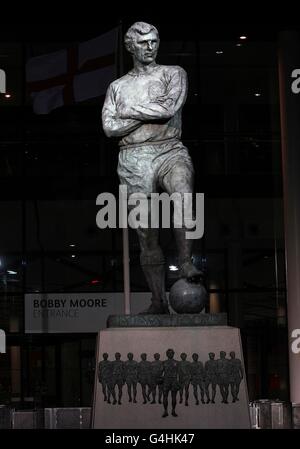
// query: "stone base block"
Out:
[189,383]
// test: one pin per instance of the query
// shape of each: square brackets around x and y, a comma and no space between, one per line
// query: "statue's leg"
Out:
[137,171]
[134,391]
[195,393]
[207,383]
[129,391]
[109,392]
[181,393]
[160,393]
[165,401]
[153,393]
[214,390]
[144,392]
[187,385]
[232,390]
[113,393]
[226,390]
[120,387]
[237,389]
[180,180]
[201,385]
[149,391]
[222,391]
[104,390]
[174,402]
[153,265]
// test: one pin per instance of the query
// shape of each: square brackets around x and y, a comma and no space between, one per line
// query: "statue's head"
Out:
[195,357]
[117,356]
[170,353]
[183,356]
[211,355]
[130,356]
[142,41]
[144,356]
[232,354]
[222,354]
[156,356]
[105,356]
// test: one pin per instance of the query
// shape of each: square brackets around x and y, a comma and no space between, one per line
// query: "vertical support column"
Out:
[289,60]
[126,259]
[126,268]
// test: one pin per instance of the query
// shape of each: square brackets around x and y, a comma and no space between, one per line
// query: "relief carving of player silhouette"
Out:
[211,377]
[104,377]
[164,378]
[131,376]
[197,378]
[170,382]
[144,377]
[236,376]
[184,373]
[156,378]
[117,377]
[224,371]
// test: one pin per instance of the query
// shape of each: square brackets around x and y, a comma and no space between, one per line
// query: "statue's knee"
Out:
[152,257]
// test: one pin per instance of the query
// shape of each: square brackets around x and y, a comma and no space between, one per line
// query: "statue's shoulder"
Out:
[119,81]
[173,69]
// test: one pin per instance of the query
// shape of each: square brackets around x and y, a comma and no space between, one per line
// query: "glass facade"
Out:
[53,167]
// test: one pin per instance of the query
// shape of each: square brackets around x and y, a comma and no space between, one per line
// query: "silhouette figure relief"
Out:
[162,380]
[118,379]
[197,378]
[170,382]
[104,376]
[211,377]
[236,376]
[131,376]
[144,377]
[184,371]
[224,371]
[157,378]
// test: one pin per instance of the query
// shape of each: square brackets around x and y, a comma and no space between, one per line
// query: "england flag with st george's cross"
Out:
[72,75]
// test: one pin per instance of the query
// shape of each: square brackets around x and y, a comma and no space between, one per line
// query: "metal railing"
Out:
[271,414]
[264,414]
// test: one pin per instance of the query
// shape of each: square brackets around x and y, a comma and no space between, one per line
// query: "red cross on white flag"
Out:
[72,75]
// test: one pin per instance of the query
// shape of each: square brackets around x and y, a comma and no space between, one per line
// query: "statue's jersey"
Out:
[155,98]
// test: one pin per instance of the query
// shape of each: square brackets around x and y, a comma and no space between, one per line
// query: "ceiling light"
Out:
[173,268]
[219,52]
[12,272]
[243,37]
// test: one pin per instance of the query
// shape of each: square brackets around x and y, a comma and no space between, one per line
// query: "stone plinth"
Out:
[200,340]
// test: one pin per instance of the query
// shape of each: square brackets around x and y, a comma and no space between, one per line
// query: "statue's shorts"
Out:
[143,167]
[171,384]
